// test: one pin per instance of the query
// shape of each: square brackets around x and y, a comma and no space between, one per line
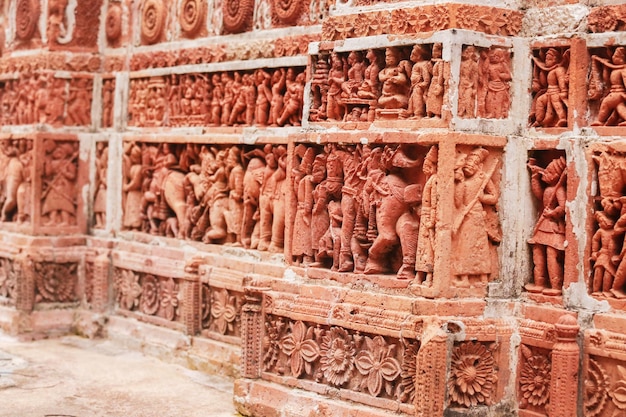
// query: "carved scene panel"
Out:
[550,87]
[59,197]
[263,97]
[408,82]
[372,365]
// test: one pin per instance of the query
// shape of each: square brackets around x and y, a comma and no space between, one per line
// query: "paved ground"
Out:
[75,377]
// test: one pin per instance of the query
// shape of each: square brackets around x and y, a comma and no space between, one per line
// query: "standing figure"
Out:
[603,253]
[302,246]
[548,240]
[279,80]
[79,107]
[100,200]
[319,88]
[335,109]
[434,97]
[468,83]
[107,103]
[59,193]
[473,191]
[228,97]
[263,97]
[426,236]
[497,77]
[234,214]
[24,207]
[420,80]
[550,85]
[216,100]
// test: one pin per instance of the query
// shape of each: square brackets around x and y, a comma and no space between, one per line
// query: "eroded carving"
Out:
[27,17]
[108,91]
[15,180]
[113,24]
[59,190]
[8,278]
[55,282]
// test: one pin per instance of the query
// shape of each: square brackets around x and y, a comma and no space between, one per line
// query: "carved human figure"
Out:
[319,88]
[99,204]
[603,253]
[550,85]
[252,183]
[79,104]
[548,240]
[56,103]
[468,82]
[352,184]
[153,204]
[59,193]
[132,189]
[279,81]
[272,201]
[434,96]
[355,74]
[41,99]
[335,109]
[234,214]
[395,80]
[420,80]
[240,101]
[370,89]
[293,100]
[216,100]
[11,177]
[424,266]
[302,245]
[228,97]
[319,217]
[24,208]
[616,288]
[497,77]
[107,103]
[330,242]
[396,221]
[613,106]
[57,25]
[474,190]
[216,200]
[263,97]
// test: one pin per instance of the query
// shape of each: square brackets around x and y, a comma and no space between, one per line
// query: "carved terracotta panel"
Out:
[55,282]
[108,102]
[59,182]
[100,186]
[484,83]
[548,178]
[534,378]
[237,15]
[73,25]
[192,17]
[550,87]
[473,375]
[153,17]
[79,102]
[607,19]
[391,83]
[16,160]
[27,19]
[606,86]
[8,281]
[113,24]
[221,311]
[147,294]
[261,98]
[604,384]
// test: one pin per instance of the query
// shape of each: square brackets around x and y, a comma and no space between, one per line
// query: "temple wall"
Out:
[394,207]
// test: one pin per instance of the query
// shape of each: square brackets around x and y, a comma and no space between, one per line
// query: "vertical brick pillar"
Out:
[430,382]
[565,359]
[100,283]
[252,334]
[25,289]
[191,314]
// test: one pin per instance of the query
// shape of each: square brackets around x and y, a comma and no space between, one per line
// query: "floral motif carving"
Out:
[595,389]
[127,289]
[8,278]
[473,375]
[192,16]
[113,24]
[55,282]
[617,392]
[237,15]
[149,301]
[534,382]
[153,14]
[27,17]
[287,11]
[340,357]
[169,298]
[225,312]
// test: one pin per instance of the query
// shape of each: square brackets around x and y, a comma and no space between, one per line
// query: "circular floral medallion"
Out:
[26,16]
[192,13]
[152,21]
[237,14]
[113,24]
[596,389]
[149,303]
[287,11]
[337,356]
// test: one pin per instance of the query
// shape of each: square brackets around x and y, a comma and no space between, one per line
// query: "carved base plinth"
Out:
[262,398]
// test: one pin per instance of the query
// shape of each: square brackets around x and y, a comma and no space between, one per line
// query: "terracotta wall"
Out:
[399,208]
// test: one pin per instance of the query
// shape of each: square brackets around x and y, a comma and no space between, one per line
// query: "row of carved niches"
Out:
[263,97]
[227,16]
[70,24]
[409,82]
[382,367]
[548,184]
[48,202]
[43,97]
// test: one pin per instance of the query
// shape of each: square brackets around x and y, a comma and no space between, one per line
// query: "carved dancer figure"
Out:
[252,183]
[335,109]
[217,99]
[420,80]
[497,80]
[548,238]
[434,97]
[473,191]
[426,236]
[550,85]
[58,196]
[79,104]
[395,80]
[613,105]
[468,82]
[603,255]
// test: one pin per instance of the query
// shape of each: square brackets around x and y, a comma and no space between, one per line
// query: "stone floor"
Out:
[75,377]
